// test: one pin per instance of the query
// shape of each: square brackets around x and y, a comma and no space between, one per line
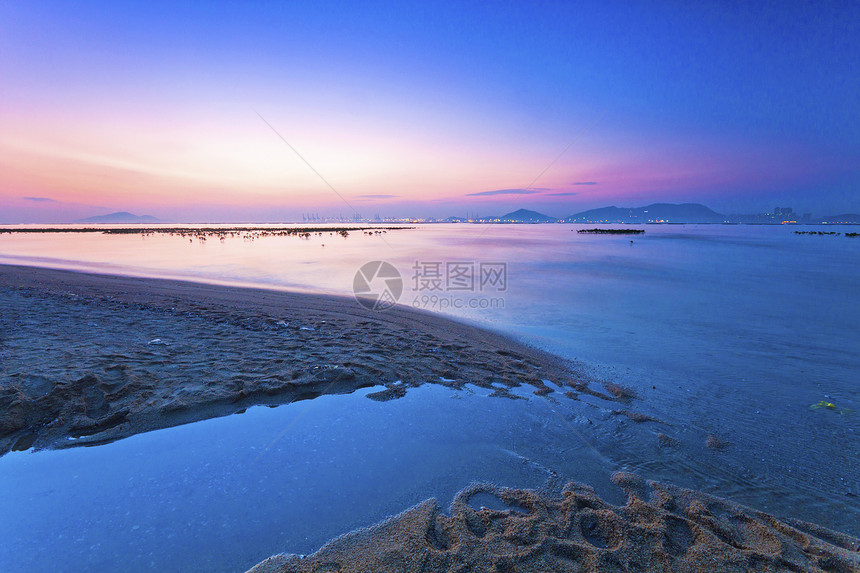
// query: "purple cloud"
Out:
[504,192]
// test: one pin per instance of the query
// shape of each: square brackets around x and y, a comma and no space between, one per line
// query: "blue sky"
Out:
[426,108]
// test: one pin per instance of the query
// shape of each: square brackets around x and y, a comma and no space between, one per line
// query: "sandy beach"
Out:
[89,359]
[661,528]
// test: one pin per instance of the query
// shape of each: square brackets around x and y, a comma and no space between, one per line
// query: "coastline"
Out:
[142,354]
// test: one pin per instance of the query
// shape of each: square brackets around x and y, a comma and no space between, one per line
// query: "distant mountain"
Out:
[122,217]
[849,218]
[526,216]
[664,213]
[655,213]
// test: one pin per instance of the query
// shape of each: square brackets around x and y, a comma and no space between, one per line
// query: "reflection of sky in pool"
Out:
[223,494]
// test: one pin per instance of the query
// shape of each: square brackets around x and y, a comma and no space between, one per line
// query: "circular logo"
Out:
[377,285]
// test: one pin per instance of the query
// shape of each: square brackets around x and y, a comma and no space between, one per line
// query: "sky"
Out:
[265,111]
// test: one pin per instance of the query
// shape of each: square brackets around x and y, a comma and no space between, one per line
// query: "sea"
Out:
[747,333]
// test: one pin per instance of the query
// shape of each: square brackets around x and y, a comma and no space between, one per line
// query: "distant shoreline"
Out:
[299,228]
[123,229]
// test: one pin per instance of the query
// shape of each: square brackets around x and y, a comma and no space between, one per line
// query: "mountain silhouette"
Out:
[120,217]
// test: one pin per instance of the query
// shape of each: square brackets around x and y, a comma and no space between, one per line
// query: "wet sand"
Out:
[88,359]
[660,528]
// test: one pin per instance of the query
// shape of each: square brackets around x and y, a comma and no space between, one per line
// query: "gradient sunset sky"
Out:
[425,109]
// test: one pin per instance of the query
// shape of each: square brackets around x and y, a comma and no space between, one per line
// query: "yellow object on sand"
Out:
[830,406]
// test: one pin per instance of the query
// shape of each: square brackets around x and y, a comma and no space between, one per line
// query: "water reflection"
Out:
[222,494]
[733,331]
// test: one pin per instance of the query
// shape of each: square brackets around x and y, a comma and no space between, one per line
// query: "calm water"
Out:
[733,330]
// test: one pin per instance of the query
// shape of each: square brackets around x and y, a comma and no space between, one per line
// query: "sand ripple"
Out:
[661,528]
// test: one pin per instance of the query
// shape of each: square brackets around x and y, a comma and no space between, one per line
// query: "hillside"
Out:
[654,213]
[527,216]
[121,217]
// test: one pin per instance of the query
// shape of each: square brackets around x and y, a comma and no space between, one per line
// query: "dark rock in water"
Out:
[619,391]
[391,392]
[716,443]
[612,231]
[24,443]
[502,392]
[635,416]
